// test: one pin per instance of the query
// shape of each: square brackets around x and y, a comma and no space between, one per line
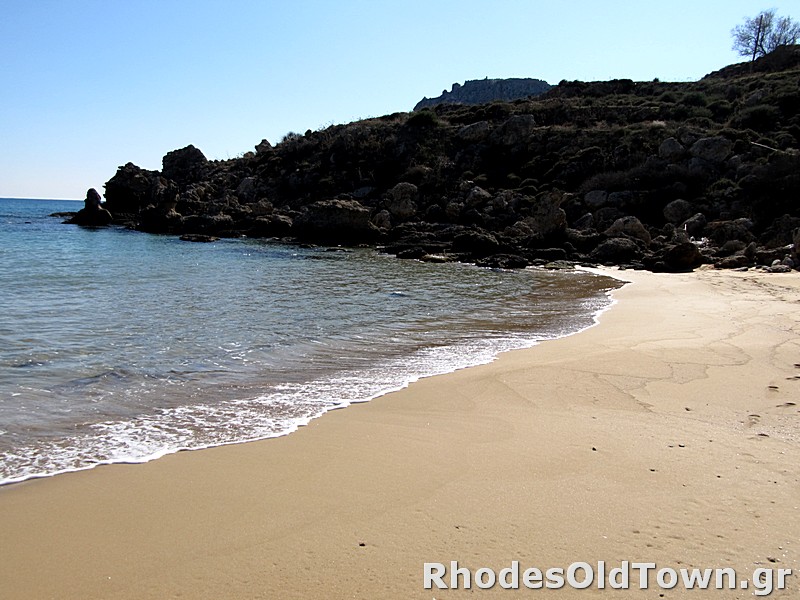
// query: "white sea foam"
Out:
[287,408]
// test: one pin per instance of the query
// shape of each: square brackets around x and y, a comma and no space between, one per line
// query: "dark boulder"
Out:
[722,231]
[475,243]
[695,225]
[340,220]
[198,237]
[186,165]
[503,261]
[678,211]
[130,190]
[617,250]
[737,261]
[679,257]
[630,227]
[93,214]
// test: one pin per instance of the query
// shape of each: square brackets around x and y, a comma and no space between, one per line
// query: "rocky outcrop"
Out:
[664,176]
[93,214]
[340,221]
[481,91]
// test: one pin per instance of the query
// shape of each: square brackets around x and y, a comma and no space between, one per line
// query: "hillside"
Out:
[654,174]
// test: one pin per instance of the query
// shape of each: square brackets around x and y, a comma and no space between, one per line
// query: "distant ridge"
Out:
[480,91]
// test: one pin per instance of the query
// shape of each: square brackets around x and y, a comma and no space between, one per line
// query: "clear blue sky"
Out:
[88,85]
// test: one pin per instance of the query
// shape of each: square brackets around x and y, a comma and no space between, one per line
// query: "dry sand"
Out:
[668,433]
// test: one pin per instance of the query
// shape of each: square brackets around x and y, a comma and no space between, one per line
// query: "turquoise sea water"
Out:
[118,346]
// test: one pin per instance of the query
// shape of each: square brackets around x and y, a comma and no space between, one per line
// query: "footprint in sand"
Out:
[753,420]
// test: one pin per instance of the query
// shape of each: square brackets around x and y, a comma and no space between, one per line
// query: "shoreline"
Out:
[425,362]
[665,433]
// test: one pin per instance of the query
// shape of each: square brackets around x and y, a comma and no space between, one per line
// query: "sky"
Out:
[89,85]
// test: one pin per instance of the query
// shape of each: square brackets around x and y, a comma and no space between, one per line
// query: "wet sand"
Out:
[668,433]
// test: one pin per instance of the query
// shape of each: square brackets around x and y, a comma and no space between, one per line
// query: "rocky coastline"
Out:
[648,175]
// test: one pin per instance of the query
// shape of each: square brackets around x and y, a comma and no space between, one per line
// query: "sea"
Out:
[120,347]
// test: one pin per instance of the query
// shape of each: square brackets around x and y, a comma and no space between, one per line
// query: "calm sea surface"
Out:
[117,346]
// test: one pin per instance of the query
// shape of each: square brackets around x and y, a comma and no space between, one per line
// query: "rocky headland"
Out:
[483,91]
[656,175]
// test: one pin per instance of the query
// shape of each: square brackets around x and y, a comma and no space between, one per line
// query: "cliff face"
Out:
[646,174]
[487,90]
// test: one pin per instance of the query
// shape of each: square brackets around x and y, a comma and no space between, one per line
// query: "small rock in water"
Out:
[198,237]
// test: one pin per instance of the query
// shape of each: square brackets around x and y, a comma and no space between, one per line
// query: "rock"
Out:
[264,147]
[437,258]
[207,224]
[130,190]
[779,269]
[796,242]
[732,247]
[198,237]
[186,165]
[474,133]
[617,250]
[559,265]
[247,190]
[93,214]
[516,130]
[416,252]
[401,201]
[584,223]
[155,219]
[483,91]
[722,231]
[382,220]
[595,199]
[694,225]
[476,243]
[342,221]
[549,254]
[768,257]
[737,261]
[272,225]
[547,218]
[712,149]
[503,261]
[477,197]
[631,227]
[677,211]
[681,257]
[671,150]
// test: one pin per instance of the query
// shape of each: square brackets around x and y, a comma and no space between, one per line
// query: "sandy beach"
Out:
[668,433]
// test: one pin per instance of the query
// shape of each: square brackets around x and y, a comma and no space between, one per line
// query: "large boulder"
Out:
[401,201]
[630,227]
[186,165]
[724,231]
[514,131]
[617,250]
[695,225]
[678,211]
[712,149]
[545,217]
[474,132]
[130,190]
[341,221]
[476,243]
[679,256]
[93,214]
[671,150]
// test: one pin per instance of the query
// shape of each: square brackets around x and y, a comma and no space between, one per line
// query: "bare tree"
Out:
[763,33]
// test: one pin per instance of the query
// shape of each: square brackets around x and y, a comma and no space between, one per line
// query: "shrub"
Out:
[760,118]
[423,119]
[695,99]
